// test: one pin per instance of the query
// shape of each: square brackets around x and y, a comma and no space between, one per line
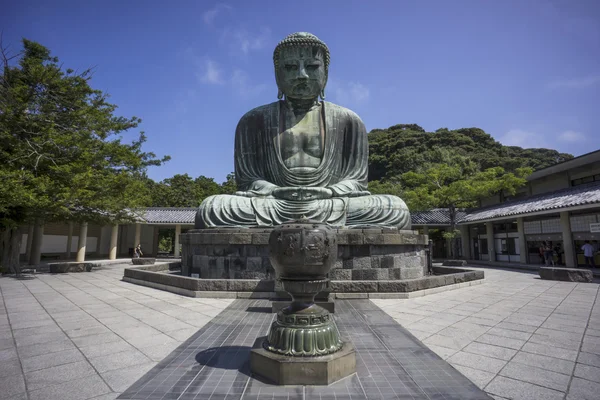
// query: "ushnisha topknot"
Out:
[301,39]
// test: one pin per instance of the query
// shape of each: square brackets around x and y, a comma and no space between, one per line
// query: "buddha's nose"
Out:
[302,73]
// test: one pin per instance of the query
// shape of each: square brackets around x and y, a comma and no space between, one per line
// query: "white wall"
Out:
[58,244]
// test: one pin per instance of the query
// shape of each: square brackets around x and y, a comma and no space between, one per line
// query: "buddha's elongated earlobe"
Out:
[279,94]
[322,94]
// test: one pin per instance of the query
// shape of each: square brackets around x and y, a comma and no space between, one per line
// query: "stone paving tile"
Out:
[478,377]
[549,350]
[118,360]
[450,342]
[41,338]
[518,390]
[78,389]
[537,376]
[582,389]
[545,362]
[588,372]
[158,352]
[108,337]
[104,349]
[10,367]
[182,334]
[516,327]
[476,361]
[509,333]
[53,375]
[50,360]
[501,341]
[593,332]
[12,385]
[8,354]
[502,353]
[589,359]
[120,379]
[426,327]
[443,352]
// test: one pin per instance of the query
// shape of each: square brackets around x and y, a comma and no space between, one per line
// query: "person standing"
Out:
[137,252]
[588,253]
[548,254]
[559,252]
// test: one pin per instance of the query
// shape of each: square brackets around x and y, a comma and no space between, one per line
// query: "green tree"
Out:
[61,156]
[229,186]
[457,183]
[408,147]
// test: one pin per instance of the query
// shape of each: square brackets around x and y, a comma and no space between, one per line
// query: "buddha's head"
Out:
[301,66]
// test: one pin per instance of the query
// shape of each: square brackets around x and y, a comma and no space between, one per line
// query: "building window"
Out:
[551,226]
[585,179]
[532,227]
[581,223]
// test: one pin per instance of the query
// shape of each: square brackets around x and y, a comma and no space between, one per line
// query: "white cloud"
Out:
[210,72]
[571,137]
[575,83]
[210,15]
[241,83]
[348,93]
[244,41]
[525,139]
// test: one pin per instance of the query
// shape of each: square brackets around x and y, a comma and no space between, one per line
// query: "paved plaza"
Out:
[92,336]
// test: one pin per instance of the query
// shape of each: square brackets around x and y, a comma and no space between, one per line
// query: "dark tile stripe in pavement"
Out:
[391,363]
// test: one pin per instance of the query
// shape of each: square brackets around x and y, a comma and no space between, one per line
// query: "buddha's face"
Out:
[301,72]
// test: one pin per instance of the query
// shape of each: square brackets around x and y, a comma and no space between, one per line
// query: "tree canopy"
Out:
[457,182]
[408,147]
[61,153]
[185,191]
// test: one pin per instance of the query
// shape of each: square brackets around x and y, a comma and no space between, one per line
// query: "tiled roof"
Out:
[169,215]
[435,216]
[570,197]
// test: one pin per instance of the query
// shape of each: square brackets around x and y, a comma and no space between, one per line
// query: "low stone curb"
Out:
[214,294]
[154,276]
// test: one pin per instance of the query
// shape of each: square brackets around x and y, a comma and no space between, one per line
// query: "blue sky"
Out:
[525,71]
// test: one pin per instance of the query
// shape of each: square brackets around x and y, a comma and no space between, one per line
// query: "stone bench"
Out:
[143,261]
[566,274]
[65,267]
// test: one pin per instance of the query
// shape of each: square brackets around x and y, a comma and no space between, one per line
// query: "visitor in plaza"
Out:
[558,251]
[588,253]
[548,254]
[137,252]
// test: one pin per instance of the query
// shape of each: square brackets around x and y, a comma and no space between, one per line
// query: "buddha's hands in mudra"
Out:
[303,193]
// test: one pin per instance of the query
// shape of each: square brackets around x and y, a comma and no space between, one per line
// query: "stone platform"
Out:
[566,274]
[390,362]
[363,254]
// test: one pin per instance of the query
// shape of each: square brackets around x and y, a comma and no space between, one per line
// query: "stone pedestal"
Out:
[285,370]
[363,254]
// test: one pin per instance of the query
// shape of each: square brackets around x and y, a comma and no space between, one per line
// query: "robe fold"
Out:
[259,168]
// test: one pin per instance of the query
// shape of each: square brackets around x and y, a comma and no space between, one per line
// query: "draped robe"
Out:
[259,168]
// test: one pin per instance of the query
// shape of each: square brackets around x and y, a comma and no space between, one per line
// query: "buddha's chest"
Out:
[301,141]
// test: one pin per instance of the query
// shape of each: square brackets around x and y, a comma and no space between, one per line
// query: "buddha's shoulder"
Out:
[340,111]
[260,111]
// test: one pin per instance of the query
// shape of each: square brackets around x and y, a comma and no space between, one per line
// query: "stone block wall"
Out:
[363,254]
